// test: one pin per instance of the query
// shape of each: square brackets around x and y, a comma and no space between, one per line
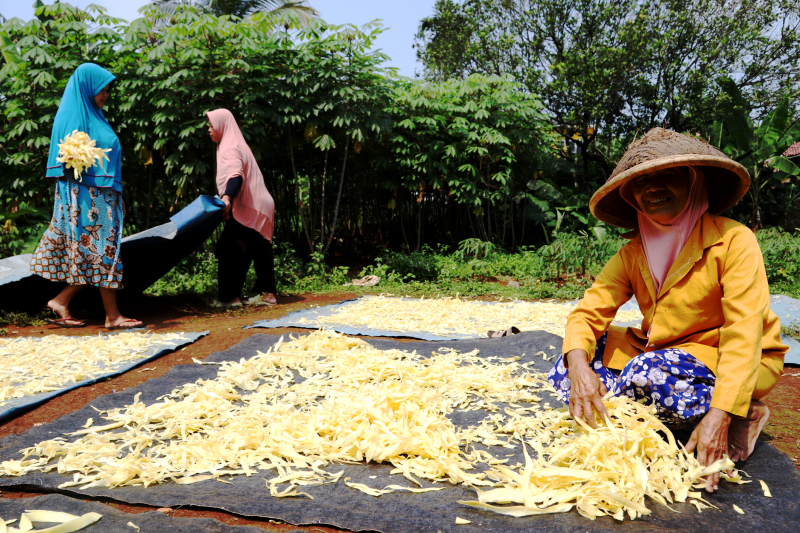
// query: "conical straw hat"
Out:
[726,180]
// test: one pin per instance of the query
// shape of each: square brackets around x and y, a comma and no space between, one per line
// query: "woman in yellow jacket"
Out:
[709,347]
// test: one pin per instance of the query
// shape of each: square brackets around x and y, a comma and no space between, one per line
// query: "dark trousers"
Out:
[239,246]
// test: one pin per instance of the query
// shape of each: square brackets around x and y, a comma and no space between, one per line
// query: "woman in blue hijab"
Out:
[81,246]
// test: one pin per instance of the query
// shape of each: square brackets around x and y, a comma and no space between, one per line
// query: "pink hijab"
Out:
[663,242]
[253,206]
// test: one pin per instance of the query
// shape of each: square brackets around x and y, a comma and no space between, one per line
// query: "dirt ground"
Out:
[165,314]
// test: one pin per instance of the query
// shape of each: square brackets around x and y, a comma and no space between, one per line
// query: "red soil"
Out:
[182,314]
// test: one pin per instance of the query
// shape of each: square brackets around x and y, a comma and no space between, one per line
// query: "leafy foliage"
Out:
[774,178]
[341,140]
[606,69]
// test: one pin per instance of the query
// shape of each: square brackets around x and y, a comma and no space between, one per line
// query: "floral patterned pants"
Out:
[679,385]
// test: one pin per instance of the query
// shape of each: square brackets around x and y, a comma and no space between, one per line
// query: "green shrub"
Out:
[579,253]
[195,274]
[792,330]
[781,250]
[8,318]
[420,266]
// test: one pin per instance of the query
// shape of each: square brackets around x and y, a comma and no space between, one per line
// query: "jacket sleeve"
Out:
[745,303]
[592,316]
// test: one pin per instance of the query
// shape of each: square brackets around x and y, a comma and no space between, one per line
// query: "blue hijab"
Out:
[78,111]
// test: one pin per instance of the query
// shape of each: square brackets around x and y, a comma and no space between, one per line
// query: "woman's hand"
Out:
[226,211]
[587,391]
[710,438]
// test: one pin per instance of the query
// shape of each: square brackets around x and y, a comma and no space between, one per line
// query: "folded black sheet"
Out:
[146,256]
[399,512]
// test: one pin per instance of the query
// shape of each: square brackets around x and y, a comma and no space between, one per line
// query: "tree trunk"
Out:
[419,221]
[338,197]
[149,196]
[297,190]
[322,202]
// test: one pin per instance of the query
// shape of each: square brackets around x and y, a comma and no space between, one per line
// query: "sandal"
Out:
[138,324]
[62,321]
[513,330]
[258,300]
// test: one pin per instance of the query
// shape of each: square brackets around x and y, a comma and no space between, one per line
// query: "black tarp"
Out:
[340,506]
[115,521]
[16,406]
[146,256]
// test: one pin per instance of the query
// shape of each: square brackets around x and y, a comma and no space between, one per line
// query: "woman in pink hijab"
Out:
[708,349]
[249,214]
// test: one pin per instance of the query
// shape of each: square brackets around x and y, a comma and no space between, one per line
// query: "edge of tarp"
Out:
[19,265]
[291,320]
[201,208]
[785,307]
[18,405]
[116,521]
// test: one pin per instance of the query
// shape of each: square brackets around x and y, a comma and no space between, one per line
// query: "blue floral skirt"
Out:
[679,385]
[81,246]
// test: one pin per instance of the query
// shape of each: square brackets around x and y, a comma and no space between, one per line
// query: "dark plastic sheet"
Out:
[147,256]
[292,320]
[115,521]
[340,506]
[16,406]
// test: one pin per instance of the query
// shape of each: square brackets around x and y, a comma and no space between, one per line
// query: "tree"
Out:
[607,68]
[295,10]
[759,148]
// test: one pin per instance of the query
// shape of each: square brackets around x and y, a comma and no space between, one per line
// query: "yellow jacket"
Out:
[714,304]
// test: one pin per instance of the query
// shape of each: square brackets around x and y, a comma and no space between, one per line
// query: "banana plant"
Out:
[758,147]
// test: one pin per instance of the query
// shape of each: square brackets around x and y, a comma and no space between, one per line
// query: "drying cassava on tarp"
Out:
[65,522]
[447,316]
[603,471]
[305,405]
[329,399]
[34,365]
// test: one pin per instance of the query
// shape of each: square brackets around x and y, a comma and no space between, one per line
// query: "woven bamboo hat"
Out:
[726,180]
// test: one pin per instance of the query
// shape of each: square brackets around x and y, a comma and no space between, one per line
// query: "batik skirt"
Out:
[81,246]
[678,384]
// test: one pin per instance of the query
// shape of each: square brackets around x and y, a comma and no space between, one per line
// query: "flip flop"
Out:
[257,300]
[120,326]
[62,322]
[513,330]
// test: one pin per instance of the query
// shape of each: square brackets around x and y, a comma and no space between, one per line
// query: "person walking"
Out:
[82,244]
[249,215]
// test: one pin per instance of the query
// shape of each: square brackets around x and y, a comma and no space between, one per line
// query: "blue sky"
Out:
[401,17]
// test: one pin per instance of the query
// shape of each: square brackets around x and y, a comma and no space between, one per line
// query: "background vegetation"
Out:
[482,170]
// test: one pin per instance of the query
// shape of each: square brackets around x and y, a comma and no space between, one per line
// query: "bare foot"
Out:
[121,322]
[743,432]
[63,313]
[269,298]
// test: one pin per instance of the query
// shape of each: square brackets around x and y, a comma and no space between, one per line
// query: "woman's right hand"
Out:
[586,391]
[226,211]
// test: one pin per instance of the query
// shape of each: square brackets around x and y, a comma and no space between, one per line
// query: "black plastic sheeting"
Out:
[146,256]
[15,406]
[115,521]
[340,506]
